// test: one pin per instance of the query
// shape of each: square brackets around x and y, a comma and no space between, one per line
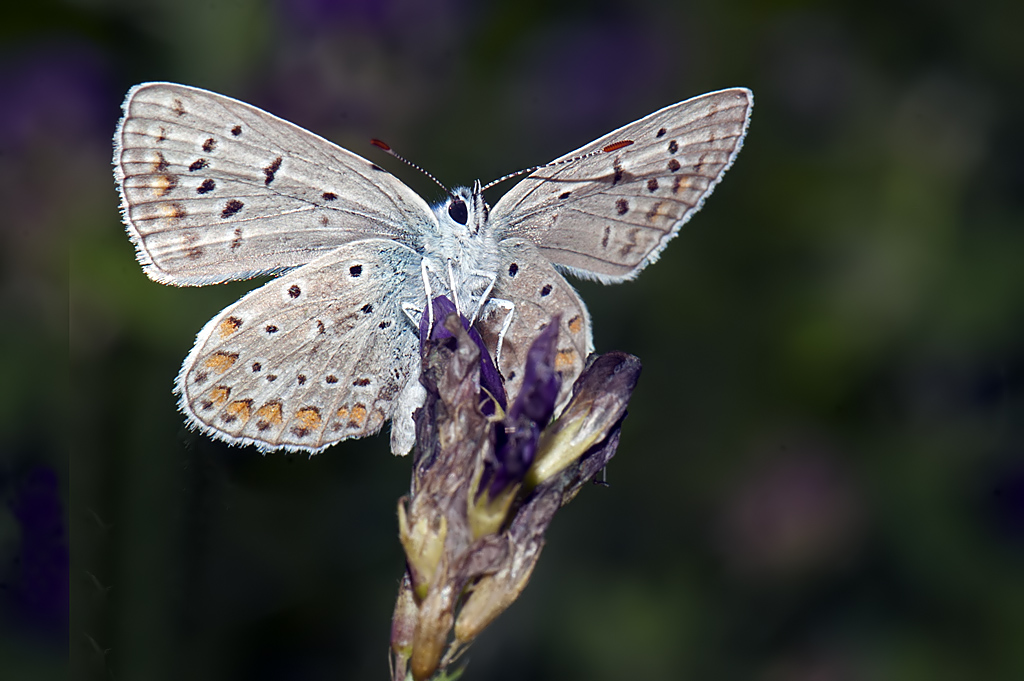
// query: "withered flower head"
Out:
[517,434]
[490,379]
[486,482]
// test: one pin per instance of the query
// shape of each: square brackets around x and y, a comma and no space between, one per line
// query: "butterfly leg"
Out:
[453,288]
[426,267]
[413,313]
[510,308]
[424,272]
[491,278]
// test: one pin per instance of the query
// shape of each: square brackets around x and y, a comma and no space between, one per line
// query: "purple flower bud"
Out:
[536,399]
[490,379]
[518,434]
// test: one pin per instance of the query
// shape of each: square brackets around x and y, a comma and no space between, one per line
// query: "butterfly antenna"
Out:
[386,147]
[615,146]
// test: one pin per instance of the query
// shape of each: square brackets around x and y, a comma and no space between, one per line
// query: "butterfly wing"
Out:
[213,189]
[539,293]
[607,216]
[321,354]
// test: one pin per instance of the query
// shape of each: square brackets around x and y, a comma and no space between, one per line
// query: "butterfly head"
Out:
[465,210]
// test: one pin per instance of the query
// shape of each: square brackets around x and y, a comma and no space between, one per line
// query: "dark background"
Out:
[822,474]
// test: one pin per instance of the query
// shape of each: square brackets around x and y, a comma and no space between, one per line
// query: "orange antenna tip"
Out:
[618,145]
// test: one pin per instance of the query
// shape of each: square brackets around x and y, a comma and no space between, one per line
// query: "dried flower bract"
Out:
[487,482]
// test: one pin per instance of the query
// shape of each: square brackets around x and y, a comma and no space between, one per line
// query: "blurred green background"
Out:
[822,474]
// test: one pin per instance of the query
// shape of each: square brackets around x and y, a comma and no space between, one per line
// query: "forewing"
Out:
[608,215]
[214,189]
[315,356]
[539,293]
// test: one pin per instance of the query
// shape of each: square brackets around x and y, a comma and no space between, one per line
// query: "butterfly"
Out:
[213,190]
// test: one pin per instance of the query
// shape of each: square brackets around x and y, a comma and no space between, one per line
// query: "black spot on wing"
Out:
[355,271]
[209,145]
[236,131]
[329,196]
[271,170]
[619,174]
[206,187]
[294,291]
[198,164]
[231,207]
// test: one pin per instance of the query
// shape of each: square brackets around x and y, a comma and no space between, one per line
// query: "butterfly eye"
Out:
[457,211]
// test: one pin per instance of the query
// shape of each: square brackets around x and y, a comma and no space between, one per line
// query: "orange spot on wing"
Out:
[219,395]
[576,324]
[564,359]
[158,162]
[221,361]
[342,414]
[163,184]
[376,419]
[358,416]
[681,182]
[269,415]
[171,210]
[239,409]
[229,326]
[308,417]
